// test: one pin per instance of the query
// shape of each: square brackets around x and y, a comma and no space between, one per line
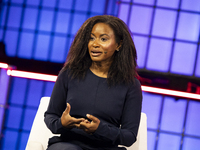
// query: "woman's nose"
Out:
[95,43]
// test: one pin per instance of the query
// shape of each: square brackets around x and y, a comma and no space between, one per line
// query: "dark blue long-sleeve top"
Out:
[117,107]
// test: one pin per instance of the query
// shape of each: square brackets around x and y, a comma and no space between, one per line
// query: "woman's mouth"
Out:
[95,53]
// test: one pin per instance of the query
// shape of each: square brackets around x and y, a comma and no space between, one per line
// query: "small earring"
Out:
[117,50]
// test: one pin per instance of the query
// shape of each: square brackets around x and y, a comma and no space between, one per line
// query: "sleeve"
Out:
[130,119]
[57,104]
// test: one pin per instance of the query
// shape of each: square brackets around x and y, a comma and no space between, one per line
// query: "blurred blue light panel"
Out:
[152,114]
[141,47]
[197,71]
[159,55]
[78,20]
[193,119]
[110,6]
[46,20]
[29,116]
[82,5]
[30,18]
[125,0]
[4,84]
[193,5]
[191,143]
[34,93]
[116,9]
[3,15]
[25,45]
[9,141]
[1,118]
[65,4]
[168,3]
[31,2]
[188,27]
[11,42]
[169,142]
[48,88]
[49,3]
[151,140]
[18,91]
[148,2]
[23,140]
[123,12]
[91,15]
[173,115]
[183,58]
[58,49]
[98,6]
[14,16]
[164,23]
[17,1]
[140,19]
[62,22]
[42,47]
[1,34]
[13,118]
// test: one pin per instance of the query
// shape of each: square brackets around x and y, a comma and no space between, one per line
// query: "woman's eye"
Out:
[103,39]
[91,38]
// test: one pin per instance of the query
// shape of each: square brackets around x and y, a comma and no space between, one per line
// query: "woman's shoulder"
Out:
[63,74]
[64,71]
[137,82]
[135,85]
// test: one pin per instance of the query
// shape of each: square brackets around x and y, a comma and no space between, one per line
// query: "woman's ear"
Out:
[119,45]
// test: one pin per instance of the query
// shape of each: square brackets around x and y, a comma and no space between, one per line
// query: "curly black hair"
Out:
[123,67]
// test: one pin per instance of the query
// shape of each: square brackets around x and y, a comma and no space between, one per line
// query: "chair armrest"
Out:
[32,145]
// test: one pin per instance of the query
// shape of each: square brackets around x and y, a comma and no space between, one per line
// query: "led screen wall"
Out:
[166,34]
[44,29]
[4,83]
[23,102]
[167,37]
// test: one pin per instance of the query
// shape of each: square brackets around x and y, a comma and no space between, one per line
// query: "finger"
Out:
[67,110]
[93,118]
[87,127]
[77,126]
[83,125]
[86,121]
[78,120]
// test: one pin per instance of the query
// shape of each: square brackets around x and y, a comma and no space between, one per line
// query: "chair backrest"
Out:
[39,135]
[141,143]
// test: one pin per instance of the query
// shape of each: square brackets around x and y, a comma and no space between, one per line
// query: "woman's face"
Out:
[102,44]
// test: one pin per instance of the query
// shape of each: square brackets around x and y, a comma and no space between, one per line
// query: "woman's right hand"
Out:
[68,121]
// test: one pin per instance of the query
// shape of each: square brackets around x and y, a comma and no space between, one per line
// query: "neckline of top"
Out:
[96,75]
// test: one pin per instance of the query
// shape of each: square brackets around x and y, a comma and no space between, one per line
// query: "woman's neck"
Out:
[100,69]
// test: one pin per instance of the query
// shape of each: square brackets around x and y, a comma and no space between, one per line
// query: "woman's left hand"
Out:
[90,127]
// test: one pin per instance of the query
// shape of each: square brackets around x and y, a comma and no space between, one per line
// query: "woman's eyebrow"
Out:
[100,35]
[104,34]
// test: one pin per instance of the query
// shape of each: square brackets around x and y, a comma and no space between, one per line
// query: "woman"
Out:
[96,101]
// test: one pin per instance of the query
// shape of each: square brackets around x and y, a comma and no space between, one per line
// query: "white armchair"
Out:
[39,135]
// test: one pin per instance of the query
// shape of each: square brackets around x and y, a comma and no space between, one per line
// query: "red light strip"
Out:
[52,78]
[171,92]
[3,65]
[32,75]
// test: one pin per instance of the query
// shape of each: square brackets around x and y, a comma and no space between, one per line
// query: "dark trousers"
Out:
[63,146]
